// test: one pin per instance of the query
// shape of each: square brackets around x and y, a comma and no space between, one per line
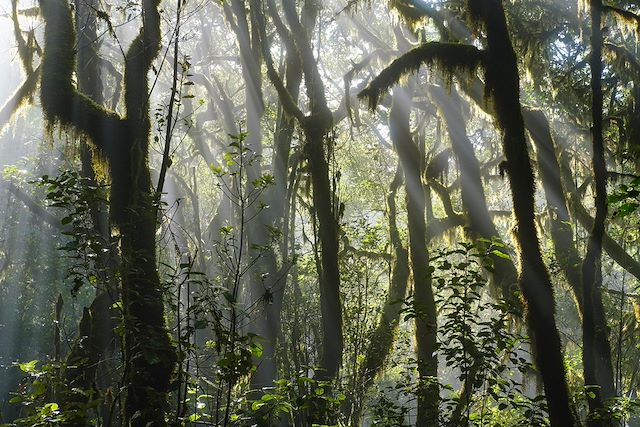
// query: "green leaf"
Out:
[51,407]
[268,397]
[500,254]
[28,367]
[257,405]
[256,349]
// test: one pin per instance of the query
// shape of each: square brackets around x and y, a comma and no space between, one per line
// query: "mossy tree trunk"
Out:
[501,70]
[95,332]
[317,149]
[268,278]
[424,302]
[481,226]
[26,50]
[123,142]
[596,352]
[562,236]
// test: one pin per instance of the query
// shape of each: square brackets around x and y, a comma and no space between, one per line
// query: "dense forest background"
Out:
[274,213]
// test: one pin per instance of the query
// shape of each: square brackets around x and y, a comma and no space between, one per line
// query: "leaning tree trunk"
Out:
[24,93]
[426,322]
[479,220]
[123,142]
[501,68]
[564,246]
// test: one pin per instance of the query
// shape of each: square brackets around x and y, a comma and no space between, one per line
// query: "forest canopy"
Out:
[320,213]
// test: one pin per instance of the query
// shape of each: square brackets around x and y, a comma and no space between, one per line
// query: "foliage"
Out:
[37,396]
[626,198]
[487,360]
[228,185]
[76,196]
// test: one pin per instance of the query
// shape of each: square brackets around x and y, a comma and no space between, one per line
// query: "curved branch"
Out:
[288,103]
[449,58]
[21,95]
[61,102]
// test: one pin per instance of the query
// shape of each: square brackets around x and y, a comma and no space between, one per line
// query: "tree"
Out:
[501,71]
[123,143]
[596,352]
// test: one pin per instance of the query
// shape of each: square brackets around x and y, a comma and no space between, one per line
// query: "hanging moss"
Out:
[409,13]
[64,105]
[621,58]
[61,102]
[628,21]
[449,58]
[124,143]
[349,76]
[19,97]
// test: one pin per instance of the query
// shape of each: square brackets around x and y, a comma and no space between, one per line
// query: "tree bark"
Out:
[383,337]
[123,142]
[562,236]
[596,352]
[424,302]
[316,127]
[504,88]
[473,197]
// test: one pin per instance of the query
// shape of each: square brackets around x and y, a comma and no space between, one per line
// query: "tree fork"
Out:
[149,356]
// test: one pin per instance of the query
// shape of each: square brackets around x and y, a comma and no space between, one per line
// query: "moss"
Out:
[409,13]
[628,22]
[621,58]
[64,105]
[124,144]
[449,58]
[19,97]
[25,47]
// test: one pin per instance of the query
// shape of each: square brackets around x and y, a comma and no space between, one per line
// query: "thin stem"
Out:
[172,101]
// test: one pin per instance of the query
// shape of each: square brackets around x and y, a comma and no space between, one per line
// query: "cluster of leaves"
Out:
[291,398]
[476,340]
[387,412]
[76,196]
[626,198]
[214,303]
[477,345]
[35,395]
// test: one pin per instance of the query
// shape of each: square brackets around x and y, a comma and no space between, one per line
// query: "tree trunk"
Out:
[473,197]
[564,246]
[383,337]
[424,303]
[504,88]
[95,332]
[149,356]
[596,353]
[317,148]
